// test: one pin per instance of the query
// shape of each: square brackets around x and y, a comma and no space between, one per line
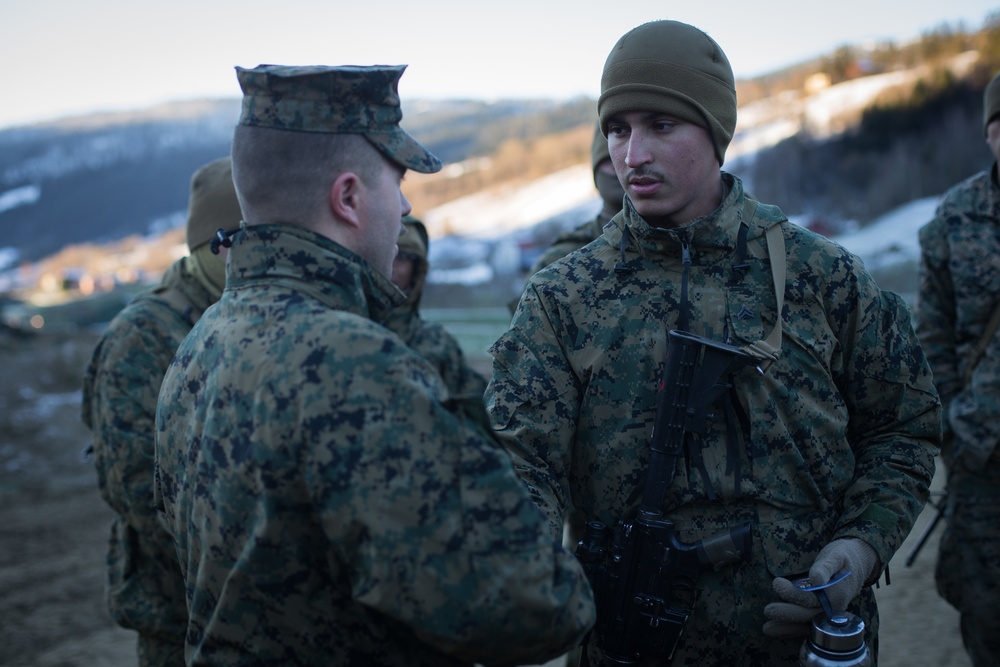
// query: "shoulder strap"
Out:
[977,353]
[766,351]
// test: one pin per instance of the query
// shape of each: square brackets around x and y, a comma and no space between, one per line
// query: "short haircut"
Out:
[285,176]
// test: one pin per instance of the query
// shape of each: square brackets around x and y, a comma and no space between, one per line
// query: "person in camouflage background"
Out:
[145,591]
[332,503]
[828,455]
[429,339]
[959,292]
[606,182]
[610,189]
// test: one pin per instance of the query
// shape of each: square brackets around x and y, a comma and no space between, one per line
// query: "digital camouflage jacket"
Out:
[959,290]
[572,240]
[145,590]
[330,501]
[837,440]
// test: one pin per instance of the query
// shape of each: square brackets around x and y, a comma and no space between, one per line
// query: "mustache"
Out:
[643,172]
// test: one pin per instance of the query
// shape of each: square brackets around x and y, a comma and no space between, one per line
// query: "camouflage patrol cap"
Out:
[672,68]
[350,99]
[213,203]
[991,101]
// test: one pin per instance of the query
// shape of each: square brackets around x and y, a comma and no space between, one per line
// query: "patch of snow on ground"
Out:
[892,237]
[493,214]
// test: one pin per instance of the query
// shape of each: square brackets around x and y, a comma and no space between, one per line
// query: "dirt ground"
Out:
[53,526]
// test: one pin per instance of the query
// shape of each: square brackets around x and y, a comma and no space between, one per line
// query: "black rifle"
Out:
[642,575]
[940,507]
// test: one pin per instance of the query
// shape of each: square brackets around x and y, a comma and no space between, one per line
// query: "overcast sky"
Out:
[74,56]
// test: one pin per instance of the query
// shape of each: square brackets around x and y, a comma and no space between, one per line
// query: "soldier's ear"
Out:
[345,198]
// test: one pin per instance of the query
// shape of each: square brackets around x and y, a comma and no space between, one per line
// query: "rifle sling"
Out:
[768,349]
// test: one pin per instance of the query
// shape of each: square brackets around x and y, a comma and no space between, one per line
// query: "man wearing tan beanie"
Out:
[813,464]
[145,591]
[958,317]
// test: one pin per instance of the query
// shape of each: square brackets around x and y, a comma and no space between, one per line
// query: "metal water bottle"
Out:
[836,641]
[837,638]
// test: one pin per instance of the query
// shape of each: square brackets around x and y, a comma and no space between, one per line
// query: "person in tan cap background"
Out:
[821,459]
[145,591]
[958,315]
[611,192]
[331,500]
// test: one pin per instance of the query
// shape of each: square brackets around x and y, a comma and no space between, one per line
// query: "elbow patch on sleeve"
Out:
[885,519]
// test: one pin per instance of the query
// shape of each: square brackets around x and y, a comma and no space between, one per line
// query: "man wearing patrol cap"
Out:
[145,591]
[826,456]
[958,317]
[330,500]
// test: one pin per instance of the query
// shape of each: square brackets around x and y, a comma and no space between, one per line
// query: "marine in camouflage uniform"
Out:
[610,189]
[145,591]
[331,501]
[959,292]
[429,339]
[828,456]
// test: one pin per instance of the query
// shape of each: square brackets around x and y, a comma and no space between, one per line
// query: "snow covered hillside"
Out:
[892,238]
[820,110]
[493,214]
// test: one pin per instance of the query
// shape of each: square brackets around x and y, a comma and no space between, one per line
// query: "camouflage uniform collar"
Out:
[180,278]
[183,292]
[717,230]
[311,264]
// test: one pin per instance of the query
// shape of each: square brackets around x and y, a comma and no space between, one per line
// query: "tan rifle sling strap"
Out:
[768,349]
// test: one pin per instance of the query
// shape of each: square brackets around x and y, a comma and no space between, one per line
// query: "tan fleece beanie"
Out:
[213,204]
[673,68]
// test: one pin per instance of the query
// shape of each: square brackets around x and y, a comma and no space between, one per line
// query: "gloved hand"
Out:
[793,617]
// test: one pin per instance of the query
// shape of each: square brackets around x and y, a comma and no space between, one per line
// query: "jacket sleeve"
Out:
[436,528]
[894,424]
[119,405]
[936,315]
[533,403]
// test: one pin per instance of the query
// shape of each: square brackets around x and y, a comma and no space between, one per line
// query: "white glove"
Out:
[793,617]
